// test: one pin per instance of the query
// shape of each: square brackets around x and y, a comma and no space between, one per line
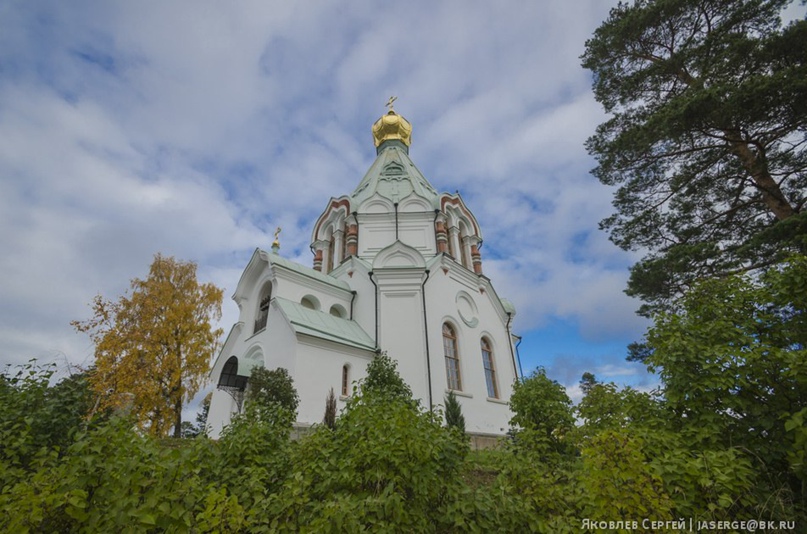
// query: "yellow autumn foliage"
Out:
[153,346]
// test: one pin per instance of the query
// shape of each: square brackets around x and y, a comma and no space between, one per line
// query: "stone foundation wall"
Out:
[478,441]
[486,441]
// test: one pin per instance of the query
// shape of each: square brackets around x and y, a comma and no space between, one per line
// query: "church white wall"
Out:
[273,347]
[222,407]
[278,342]
[401,332]
[293,287]
[364,301]
[319,368]
[377,231]
[471,323]
[417,230]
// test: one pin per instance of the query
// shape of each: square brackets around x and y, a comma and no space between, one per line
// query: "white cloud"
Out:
[194,129]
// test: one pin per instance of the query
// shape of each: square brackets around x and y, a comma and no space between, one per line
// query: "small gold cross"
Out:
[390,101]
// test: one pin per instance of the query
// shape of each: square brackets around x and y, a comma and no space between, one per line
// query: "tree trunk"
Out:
[772,194]
[178,418]
[755,166]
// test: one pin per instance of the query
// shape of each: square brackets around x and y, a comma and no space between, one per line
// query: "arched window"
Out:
[490,370]
[229,374]
[345,380]
[452,358]
[263,308]
[310,301]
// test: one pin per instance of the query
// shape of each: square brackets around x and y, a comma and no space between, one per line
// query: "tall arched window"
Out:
[452,358]
[263,308]
[490,370]
[345,380]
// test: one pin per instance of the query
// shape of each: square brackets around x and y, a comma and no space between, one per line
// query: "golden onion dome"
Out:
[392,126]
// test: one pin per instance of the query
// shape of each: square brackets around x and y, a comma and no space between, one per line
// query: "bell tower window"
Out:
[263,308]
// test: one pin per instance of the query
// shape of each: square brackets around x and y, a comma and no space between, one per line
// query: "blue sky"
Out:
[196,128]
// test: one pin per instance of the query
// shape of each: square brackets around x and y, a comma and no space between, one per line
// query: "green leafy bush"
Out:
[387,466]
[383,379]
[35,415]
[542,413]
[276,386]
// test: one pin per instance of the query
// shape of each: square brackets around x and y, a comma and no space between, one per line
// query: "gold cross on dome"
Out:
[390,101]
[277,233]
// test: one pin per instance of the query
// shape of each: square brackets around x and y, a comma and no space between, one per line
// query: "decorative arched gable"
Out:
[454,205]
[252,276]
[337,210]
[399,255]
[460,232]
[329,237]
[376,204]
[414,204]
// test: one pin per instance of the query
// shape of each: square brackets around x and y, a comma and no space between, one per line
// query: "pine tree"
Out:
[706,141]
[330,410]
[454,417]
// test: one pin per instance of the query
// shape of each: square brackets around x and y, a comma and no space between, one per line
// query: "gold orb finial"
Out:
[392,126]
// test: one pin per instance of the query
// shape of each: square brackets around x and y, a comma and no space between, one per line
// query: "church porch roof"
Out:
[261,259]
[324,325]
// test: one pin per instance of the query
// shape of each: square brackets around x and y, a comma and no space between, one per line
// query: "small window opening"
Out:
[345,380]
[309,302]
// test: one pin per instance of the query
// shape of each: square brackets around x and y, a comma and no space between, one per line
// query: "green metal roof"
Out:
[324,325]
[394,176]
[276,259]
[508,306]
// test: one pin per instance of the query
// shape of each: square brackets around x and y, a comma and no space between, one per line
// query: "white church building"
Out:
[397,269]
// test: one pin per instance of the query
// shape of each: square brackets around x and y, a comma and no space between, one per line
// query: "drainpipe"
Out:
[426,332]
[352,298]
[510,341]
[356,216]
[434,231]
[520,370]
[396,221]
[376,309]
